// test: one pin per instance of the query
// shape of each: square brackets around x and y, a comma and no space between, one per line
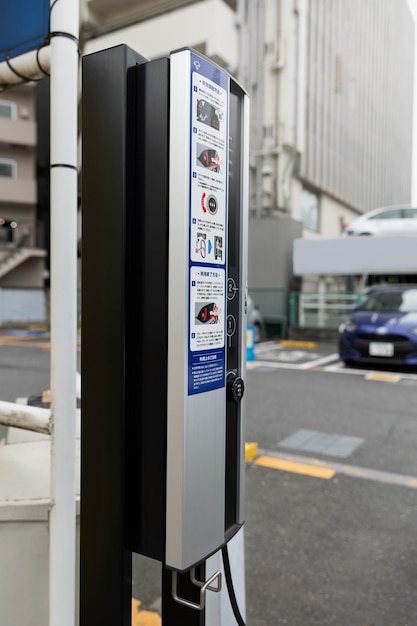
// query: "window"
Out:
[393,214]
[8,109]
[310,210]
[410,213]
[8,168]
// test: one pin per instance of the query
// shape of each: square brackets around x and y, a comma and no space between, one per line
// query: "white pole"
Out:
[64,105]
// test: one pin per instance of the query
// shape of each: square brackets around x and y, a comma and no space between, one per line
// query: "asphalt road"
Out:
[340,551]
[331,502]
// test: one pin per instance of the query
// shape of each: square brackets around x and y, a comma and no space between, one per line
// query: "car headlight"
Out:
[348,327]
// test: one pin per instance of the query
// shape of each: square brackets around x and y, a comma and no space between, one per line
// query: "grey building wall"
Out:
[359,99]
[270,251]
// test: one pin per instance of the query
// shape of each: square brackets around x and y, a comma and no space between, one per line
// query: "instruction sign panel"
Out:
[208,225]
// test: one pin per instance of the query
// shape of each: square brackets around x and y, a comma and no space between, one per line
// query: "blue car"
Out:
[383,329]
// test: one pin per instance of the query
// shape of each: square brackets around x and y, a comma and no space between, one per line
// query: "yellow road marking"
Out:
[144,618]
[295,468]
[289,343]
[251,450]
[352,471]
[23,341]
[380,376]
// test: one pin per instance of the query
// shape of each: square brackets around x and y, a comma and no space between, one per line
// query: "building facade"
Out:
[22,263]
[331,88]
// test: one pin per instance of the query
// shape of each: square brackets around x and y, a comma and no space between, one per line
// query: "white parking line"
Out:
[335,368]
[253,365]
[340,368]
[318,362]
[353,471]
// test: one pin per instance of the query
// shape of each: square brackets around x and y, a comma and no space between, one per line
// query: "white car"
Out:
[388,221]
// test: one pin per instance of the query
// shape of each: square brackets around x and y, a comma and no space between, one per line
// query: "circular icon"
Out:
[230,325]
[231,288]
[212,205]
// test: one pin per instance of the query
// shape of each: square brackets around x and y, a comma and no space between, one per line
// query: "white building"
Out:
[21,261]
[331,87]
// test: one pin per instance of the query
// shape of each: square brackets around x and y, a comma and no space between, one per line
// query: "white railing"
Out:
[25,416]
[324,310]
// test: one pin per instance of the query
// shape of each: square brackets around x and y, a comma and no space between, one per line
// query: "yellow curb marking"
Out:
[339,468]
[22,341]
[251,451]
[295,468]
[288,343]
[390,378]
[144,618]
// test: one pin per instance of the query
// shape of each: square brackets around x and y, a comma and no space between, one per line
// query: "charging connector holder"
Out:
[204,586]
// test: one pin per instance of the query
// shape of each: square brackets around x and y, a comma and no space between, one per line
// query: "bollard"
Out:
[250,343]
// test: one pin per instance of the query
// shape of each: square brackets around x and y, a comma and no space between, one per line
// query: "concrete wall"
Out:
[270,251]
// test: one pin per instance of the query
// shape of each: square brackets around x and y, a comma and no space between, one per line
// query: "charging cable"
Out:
[230,588]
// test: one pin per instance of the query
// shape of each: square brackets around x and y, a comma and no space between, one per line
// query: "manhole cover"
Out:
[322,443]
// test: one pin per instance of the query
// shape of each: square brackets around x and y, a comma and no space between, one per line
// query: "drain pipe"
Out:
[290,164]
[259,105]
[240,24]
[64,182]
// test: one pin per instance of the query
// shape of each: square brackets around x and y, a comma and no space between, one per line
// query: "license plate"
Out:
[381,349]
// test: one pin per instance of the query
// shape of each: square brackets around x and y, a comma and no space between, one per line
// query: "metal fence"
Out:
[320,310]
[273,306]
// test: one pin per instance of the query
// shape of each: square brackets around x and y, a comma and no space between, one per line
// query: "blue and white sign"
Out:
[208,225]
[24,26]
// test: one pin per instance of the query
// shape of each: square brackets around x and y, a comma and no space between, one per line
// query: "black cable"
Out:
[51,7]
[21,76]
[230,588]
[38,59]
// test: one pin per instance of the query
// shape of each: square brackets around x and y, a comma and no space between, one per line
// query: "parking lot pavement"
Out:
[306,354]
[323,356]
[337,552]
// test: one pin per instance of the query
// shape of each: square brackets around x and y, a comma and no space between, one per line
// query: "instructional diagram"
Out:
[208,211]
[207,308]
[208,182]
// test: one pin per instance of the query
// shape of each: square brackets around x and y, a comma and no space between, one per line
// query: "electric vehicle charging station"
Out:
[165,188]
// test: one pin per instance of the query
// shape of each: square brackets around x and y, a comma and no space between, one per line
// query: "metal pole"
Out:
[64,103]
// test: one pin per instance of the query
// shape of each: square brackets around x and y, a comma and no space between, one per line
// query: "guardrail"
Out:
[281,311]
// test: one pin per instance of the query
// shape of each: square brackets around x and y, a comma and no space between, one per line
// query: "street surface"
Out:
[331,504]
[339,548]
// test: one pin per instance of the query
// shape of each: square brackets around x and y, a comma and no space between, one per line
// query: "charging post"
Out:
[164,325]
